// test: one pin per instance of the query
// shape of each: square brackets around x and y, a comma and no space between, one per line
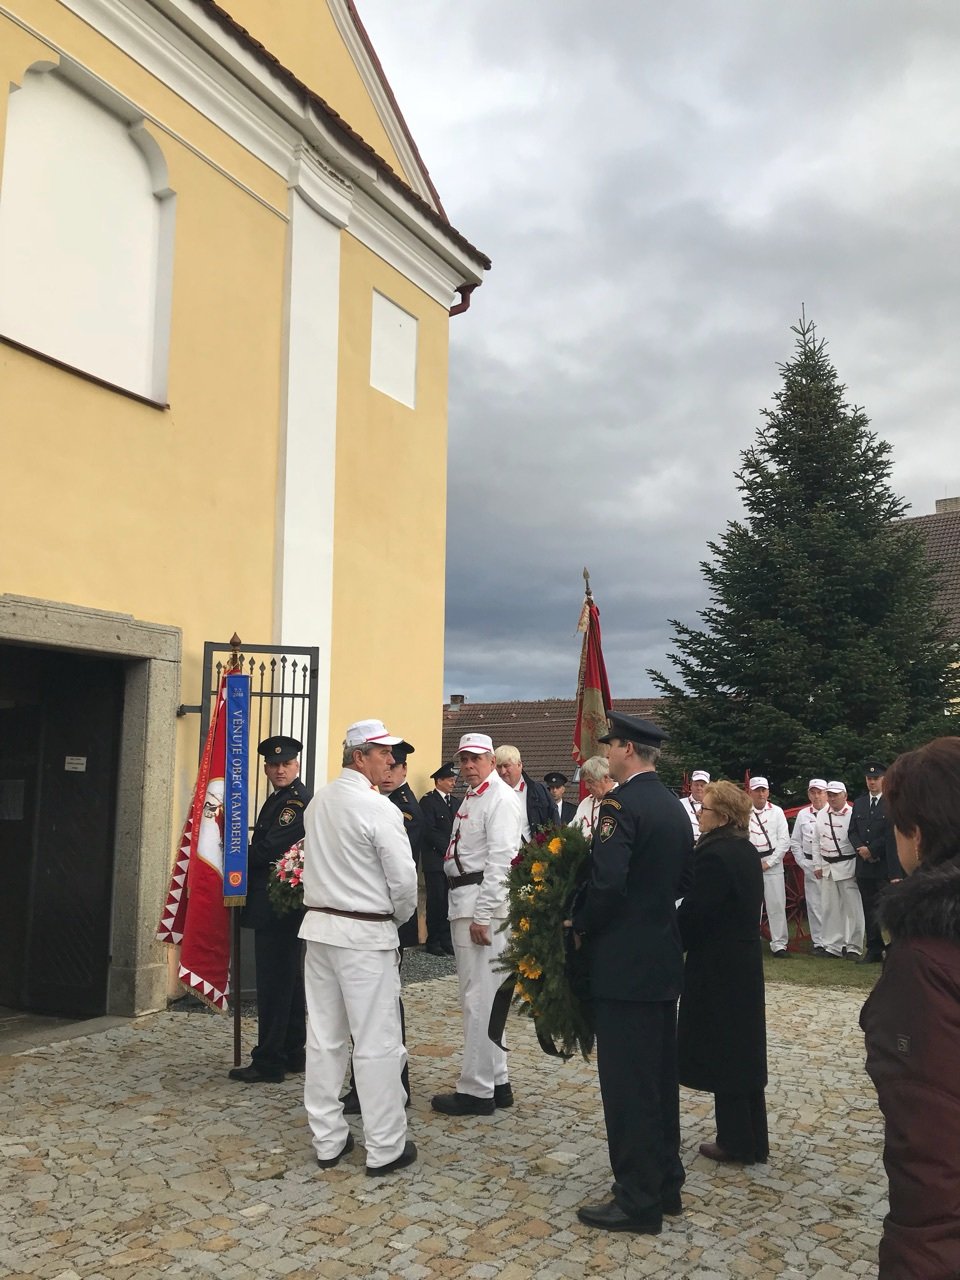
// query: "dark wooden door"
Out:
[67,947]
[19,762]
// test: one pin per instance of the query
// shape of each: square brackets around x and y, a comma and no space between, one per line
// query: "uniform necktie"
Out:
[873,803]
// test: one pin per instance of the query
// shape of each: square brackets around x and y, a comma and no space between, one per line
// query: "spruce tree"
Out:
[824,644]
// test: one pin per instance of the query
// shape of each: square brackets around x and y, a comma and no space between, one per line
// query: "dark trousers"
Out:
[281,1003]
[637,1066]
[869,890]
[742,1125]
[438,923]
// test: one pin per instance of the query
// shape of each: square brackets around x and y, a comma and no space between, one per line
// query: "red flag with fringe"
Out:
[195,915]
[593,691]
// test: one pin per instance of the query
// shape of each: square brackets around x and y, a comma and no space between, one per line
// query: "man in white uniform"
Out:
[835,860]
[485,839]
[691,803]
[770,835]
[802,844]
[359,882]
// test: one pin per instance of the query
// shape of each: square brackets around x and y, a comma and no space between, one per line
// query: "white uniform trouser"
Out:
[484,1065]
[843,923]
[354,993]
[775,900]
[811,893]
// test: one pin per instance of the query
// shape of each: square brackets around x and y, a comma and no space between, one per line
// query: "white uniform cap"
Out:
[835,788]
[758,782]
[699,775]
[364,731]
[817,782]
[480,744]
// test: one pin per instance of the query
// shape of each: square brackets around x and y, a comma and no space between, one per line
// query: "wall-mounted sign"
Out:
[75,764]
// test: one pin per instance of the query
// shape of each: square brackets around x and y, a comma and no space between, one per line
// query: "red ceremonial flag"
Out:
[593,691]
[195,915]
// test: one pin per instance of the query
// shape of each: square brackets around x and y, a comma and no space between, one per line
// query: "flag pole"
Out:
[235,665]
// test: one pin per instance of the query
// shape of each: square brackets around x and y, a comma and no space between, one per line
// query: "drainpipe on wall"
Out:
[464,290]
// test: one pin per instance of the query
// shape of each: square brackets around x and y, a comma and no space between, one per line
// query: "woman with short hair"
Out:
[595,775]
[721,1032]
[911,1020]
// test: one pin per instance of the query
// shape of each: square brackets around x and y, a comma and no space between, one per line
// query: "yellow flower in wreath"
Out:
[523,925]
[538,870]
[556,845]
[529,968]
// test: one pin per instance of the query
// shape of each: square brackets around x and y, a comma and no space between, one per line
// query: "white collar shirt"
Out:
[804,836]
[833,851]
[485,837]
[769,833]
[356,857]
[521,791]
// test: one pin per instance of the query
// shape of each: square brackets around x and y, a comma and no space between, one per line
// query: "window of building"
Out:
[86,231]
[393,351]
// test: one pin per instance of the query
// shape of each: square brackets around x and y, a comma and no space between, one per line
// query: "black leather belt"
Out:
[352,915]
[841,857]
[472,877]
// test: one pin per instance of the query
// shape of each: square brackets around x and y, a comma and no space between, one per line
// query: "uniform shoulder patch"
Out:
[287,815]
[407,817]
[610,800]
[606,826]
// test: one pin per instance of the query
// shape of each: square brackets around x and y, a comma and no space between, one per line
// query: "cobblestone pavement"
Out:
[128,1153]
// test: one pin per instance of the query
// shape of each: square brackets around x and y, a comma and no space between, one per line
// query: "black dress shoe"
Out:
[407,1156]
[335,1160]
[296,1063]
[819,951]
[781,955]
[254,1075]
[462,1104]
[610,1217]
[713,1151]
[351,1103]
[503,1095]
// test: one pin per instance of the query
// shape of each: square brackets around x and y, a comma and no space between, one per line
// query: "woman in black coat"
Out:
[722,1040]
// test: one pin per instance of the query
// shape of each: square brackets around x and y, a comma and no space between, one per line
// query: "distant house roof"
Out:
[942,534]
[541,731]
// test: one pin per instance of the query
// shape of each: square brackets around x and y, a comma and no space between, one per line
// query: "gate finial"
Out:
[235,643]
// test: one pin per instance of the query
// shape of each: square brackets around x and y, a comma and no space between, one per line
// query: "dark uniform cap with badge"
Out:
[448,770]
[556,779]
[279,749]
[874,769]
[400,751]
[633,729]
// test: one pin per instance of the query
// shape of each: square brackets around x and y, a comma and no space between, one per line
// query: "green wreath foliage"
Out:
[543,878]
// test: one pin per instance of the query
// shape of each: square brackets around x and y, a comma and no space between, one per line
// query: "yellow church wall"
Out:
[390,524]
[165,514]
[304,36]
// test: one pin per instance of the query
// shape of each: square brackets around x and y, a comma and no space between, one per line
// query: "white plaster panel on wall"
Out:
[393,351]
[85,234]
[308,465]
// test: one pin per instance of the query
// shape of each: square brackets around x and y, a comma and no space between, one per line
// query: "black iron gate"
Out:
[283,699]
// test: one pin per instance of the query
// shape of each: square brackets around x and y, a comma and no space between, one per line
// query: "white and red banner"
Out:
[593,691]
[195,915]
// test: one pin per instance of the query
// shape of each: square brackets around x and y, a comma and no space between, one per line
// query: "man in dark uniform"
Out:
[871,834]
[281,1006]
[565,809]
[626,918]
[439,809]
[395,788]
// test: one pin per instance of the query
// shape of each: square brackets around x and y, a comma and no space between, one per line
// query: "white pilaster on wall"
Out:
[304,570]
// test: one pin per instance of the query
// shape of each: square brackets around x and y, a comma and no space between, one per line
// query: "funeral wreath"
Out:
[544,875]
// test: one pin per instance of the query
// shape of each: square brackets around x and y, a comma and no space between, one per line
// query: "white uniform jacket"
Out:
[356,857]
[804,837]
[485,837]
[832,849]
[586,815]
[769,833]
[692,811]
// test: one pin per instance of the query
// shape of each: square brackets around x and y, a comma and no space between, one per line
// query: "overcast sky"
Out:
[660,187]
